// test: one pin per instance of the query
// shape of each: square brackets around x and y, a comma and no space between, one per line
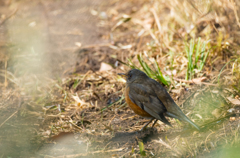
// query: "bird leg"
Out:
[147,124]
[154,122]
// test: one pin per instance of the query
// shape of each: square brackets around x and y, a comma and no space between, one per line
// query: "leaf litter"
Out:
[88,107]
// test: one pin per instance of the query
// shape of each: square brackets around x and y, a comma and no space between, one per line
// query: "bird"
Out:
[149,99]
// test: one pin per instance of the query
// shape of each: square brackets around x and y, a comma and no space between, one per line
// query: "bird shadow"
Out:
[148,135]
[133,137]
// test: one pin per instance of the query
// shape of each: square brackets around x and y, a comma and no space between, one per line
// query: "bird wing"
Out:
[165,98]
[147,99]
[173,110]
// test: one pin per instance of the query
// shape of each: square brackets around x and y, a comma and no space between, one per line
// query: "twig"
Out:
[81,79]
[235,13]
[160,29]
[149,31]
[96,45]
[157,20]
[5,81]
[166,145]
[75,125]
[9,76]
[47,20]
[188,98]
[8,118]
[192,4]
[4,20]
[219,119]
[207,139]
[192,81]
[94,152]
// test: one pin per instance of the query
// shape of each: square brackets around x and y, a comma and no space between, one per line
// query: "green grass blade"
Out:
[202,51]
[116,102]
[150,71]
[187,51]
[203,57]
[222,69]
[197,52]
[191,50]
[132,65]
[141,149]
[144,66]
[159,74]
[204,60]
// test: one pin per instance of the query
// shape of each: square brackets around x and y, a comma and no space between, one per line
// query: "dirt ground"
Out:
[45,37]
[43,40]
[56,102]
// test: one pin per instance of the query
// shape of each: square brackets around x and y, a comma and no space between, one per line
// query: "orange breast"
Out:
[135,107]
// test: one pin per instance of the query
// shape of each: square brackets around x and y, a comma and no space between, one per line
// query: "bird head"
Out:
[134,75]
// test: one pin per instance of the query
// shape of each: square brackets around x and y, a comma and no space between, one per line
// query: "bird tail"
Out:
[193,124]
[183,118]
[164,120]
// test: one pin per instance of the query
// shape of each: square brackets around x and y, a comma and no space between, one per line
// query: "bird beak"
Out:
[122,74]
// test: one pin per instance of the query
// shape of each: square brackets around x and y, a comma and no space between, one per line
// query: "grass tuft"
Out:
[196,56]
[155,73]
[141,148]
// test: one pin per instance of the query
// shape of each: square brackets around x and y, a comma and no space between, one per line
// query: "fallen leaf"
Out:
[125,46]
[217,113]
[63,135]
[195,81]
[78,44]
[234,101]
[231,110]
[199,116]
[80,103]
[195,95]
[215,91]
[105,67]
[198,80]
[125,18]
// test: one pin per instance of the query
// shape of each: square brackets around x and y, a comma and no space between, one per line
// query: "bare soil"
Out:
[55,50]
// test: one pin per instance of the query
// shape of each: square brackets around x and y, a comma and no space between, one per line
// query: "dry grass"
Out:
[92,106]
